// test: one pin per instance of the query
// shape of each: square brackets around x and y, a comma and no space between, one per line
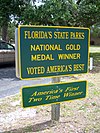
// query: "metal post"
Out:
[55,108]
[91,63]
[16,54]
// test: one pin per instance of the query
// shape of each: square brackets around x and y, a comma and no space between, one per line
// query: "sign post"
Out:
[52,51]
[55,108]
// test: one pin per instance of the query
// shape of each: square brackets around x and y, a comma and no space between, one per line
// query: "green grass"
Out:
[96,93]
[91,84]
[83,107]
[96,58]
[94,49]
[95,53]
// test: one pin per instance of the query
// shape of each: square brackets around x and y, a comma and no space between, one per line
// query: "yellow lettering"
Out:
[77,35]
[72,89]
[65,94]
[45,47]
[29,35]
[75,93]
[35,70]
[50,35]
[51,97]
[41,57]
[33,99]
[61,35]
[25,34]
[61,68]
[78,67]
[34,94]
[37,35]
[72,46]
[69,56]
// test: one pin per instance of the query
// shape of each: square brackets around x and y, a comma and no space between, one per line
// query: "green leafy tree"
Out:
[95,30]
[70,12]
[88,12]
[64,12]
[56,12]
[51,12]
[29,15]
[11,32]
[10,9]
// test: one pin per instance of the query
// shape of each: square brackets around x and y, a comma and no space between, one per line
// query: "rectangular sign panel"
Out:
[52,51]
[54,93]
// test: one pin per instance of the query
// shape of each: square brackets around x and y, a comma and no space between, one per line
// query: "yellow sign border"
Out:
[20,73]
[54,84]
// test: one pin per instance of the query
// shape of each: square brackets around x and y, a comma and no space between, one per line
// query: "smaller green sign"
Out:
[53,93]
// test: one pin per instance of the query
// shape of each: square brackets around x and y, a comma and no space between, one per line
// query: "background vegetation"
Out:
[84,13]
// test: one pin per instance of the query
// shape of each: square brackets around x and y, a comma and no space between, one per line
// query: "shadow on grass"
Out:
[33,128]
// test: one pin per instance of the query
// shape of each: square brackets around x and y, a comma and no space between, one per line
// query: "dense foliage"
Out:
[89,12]
[10,10]
[51,12]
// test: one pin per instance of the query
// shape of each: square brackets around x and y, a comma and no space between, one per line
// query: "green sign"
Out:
[52,51]
[54,93]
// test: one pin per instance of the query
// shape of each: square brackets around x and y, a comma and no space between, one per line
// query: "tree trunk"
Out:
[4,31]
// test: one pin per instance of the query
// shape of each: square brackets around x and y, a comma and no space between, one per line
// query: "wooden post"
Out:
[55,108]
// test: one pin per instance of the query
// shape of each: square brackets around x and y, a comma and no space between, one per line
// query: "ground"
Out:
[78,116]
